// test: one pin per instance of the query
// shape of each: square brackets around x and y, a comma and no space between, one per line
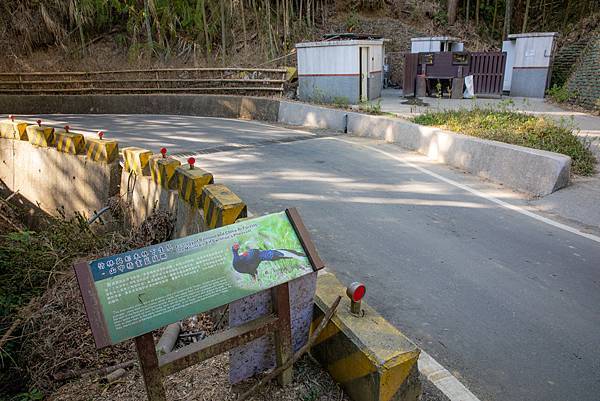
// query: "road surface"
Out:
[508,303]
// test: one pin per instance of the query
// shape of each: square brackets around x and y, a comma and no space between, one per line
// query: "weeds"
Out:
[560,94]
[371,108]
[36,262]
[517,129]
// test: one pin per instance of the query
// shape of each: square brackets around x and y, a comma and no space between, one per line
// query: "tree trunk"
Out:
[452,8]
[148,27]
[525,16]
[477,4]
[494,18]
[205,27]
[223,44]
[507,18]
[566,15]
[244,23]
[467,11]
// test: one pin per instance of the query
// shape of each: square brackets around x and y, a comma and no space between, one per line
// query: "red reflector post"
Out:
[356,291]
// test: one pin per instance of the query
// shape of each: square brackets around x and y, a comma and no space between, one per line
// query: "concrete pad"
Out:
[368,356]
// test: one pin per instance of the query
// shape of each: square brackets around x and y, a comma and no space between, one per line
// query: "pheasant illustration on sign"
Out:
[248,262]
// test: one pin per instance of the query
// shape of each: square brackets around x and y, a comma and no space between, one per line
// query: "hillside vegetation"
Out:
[98,34]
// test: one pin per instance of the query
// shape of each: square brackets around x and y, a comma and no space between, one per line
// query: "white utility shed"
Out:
[436,44]
[350,70]
[528,62]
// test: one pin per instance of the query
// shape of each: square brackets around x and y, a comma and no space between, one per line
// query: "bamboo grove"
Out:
[498,18]
[216,31]
[208,28]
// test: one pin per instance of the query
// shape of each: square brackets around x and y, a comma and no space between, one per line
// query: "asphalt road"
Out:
[508,303]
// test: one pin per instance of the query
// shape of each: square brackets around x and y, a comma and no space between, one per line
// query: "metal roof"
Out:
[350,36]
[436,38]
[532,35]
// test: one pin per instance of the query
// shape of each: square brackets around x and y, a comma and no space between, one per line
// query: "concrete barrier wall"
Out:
[523,169]
[294,113]
[529,170]
[255,108]
[534,171]
[58,182]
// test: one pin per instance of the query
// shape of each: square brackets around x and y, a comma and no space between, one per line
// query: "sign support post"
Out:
[153,378]
[283,335]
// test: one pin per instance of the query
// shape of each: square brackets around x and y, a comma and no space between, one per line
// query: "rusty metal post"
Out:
[153,378]
[283,335]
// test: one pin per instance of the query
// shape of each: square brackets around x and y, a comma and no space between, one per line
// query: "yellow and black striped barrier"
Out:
[365,354]
[221,206]
[68,142]
[162,170]
[39,135]
[13,129]
[137,160]
[190,182]
[101,150]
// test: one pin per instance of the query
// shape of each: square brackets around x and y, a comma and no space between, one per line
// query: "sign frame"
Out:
[155,367]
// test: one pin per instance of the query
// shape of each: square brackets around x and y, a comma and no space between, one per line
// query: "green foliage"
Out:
[30,261]
[561,94]
[371,108]
[31,395]
[312,394]
[441,17]
[518,129]
[341,101]
[352,22]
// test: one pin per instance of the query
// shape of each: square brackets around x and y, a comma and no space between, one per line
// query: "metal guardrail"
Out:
[258,81]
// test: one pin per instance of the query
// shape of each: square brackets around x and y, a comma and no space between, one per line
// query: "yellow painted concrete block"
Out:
[162,170]
[368,356]
[137,160]
[68,142]
[13,129]
[191,181]
[41,136]
[101,150]
[221,206]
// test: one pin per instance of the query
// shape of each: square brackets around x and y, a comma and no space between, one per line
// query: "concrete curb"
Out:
[368,356]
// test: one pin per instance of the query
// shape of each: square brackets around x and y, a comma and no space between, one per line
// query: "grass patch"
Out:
[518,129]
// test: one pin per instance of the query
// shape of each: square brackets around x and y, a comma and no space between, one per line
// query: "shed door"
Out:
[364,74]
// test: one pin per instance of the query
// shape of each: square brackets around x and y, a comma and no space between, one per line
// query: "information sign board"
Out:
[133,293]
